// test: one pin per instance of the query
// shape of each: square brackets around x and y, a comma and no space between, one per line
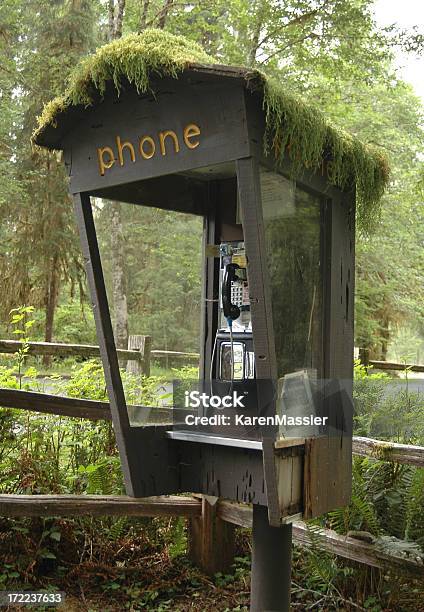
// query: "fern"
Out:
[99,478]
[414,529]
[360,514]
[322,566]
[118,527]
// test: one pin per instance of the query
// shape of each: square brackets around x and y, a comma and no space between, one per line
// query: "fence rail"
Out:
[138,354]
[364,357]
[95,410]
[389,451]
[390,365]
[59,349]
[192,508]
[64,350]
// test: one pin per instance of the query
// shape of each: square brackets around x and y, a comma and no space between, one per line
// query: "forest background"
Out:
[331,53]
[328,51]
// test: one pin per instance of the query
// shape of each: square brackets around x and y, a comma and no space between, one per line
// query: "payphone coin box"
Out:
[277,298]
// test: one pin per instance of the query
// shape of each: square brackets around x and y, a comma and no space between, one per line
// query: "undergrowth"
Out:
[141,564]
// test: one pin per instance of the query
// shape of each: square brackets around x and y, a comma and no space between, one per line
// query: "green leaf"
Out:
[47,554]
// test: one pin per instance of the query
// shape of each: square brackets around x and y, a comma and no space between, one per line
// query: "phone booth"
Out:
[276,351]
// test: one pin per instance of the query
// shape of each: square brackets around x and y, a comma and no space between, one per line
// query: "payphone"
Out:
[232,363]
[233,344]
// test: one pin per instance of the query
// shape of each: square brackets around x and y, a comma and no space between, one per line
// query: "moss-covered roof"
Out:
[291,125]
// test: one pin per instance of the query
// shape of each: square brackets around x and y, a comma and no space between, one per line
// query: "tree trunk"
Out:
[119,284]
[143,15]
[385,337]
[52,293]
[164,13]
[256,32]
[119,279]
[115,18]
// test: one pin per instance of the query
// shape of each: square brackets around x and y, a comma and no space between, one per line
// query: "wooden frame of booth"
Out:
[187,148]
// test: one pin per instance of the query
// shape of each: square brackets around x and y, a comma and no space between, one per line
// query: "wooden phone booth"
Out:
[278,280]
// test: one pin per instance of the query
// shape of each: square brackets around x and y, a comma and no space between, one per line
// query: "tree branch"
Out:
[143,15]
[301,19]
[164,13]
[119,18]
[111,20]
[291,44]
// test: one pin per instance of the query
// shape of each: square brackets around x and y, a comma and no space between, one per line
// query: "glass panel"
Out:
[292,224]
[161,264]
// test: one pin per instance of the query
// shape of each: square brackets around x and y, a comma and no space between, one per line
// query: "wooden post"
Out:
[211,540]
[144,345]
[364,356]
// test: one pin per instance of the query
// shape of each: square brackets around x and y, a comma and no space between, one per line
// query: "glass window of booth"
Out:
[293,228]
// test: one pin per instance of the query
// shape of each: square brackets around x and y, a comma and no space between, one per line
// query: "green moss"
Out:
[292,126]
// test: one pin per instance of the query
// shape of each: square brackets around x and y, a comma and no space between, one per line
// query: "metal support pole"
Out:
[271,564]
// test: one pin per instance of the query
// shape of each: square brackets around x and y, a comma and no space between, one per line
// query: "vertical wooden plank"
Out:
[327,470]
[135,342]
[261,312]
[147,350]
[315,477]
[211,540]
[105,337]
[209,307]
[285,475]
[143,345]
[341,347]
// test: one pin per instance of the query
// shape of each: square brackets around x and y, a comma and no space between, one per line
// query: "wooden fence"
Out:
[211,524]
[387,365]
[212,521]
[138,354]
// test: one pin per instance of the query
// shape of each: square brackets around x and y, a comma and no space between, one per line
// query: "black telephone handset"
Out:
[231,311]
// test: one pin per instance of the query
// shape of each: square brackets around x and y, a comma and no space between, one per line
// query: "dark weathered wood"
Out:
[171,192]
[389,451]
[221,471]
[224,512]
[355,550]
[315,478]
[97,505]
[60,349]
[127,450]
[54,404]
[80,408]
[328,540]
[206,105]
[211,540]
[249,191]
[390,365]
[52,135]
[336,463]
